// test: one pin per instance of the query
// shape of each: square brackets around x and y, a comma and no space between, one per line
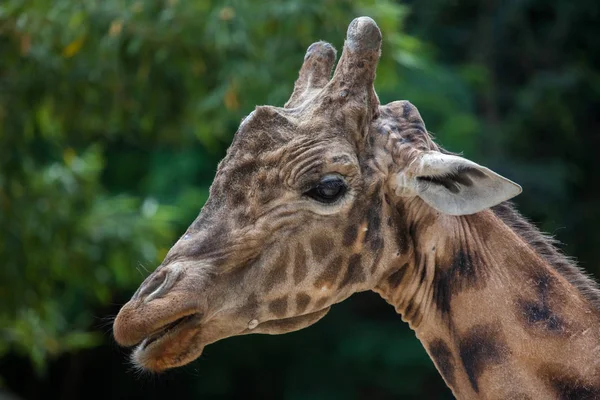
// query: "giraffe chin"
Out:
[291,324]
[175,345]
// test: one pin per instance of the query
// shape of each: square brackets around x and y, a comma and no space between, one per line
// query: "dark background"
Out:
[113,115]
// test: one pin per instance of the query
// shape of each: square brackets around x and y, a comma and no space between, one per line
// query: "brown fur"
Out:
[500,310]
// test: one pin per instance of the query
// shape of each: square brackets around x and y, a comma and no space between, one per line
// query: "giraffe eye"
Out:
[328,190]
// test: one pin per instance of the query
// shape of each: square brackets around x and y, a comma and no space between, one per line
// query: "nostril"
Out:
[152,283]
[158,283]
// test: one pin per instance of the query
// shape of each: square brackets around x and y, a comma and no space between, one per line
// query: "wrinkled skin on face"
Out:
[299,215]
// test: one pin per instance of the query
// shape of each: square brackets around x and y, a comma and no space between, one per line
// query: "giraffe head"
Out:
[302,211]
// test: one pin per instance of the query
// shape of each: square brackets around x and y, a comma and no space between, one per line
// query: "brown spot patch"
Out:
[354,219]
[350,235]
[321,245]
[537,314]
[321,303]
[267,195]
[330,273]
[540,316]
[373,234]
[300,267]
[278,272]
[302,301]
[465,271]
[250,307]
[395,279]
[377,259]
[442,356]
[567,385]
[480,348]
[354,273]
[279,306]
[237,198]
[401,231]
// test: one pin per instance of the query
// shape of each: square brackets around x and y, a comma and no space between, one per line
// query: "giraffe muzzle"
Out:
[160,305]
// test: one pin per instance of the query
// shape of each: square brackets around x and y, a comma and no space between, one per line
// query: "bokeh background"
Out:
[114,113]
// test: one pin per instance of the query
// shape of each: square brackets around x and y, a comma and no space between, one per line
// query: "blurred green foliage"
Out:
[113,115]
[111,112]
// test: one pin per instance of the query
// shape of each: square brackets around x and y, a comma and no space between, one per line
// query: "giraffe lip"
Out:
[174,344]
[169,328]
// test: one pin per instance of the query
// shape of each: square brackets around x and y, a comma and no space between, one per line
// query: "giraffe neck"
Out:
[496,318]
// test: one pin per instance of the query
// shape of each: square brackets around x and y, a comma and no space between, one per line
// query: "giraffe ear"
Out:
[455,185]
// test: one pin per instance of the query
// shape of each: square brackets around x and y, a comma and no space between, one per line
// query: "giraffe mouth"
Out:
[170,346]
[168,329]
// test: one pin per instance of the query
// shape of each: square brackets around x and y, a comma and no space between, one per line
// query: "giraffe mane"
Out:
[546,247]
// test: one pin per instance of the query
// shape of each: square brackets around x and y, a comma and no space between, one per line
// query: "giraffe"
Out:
[335,194]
